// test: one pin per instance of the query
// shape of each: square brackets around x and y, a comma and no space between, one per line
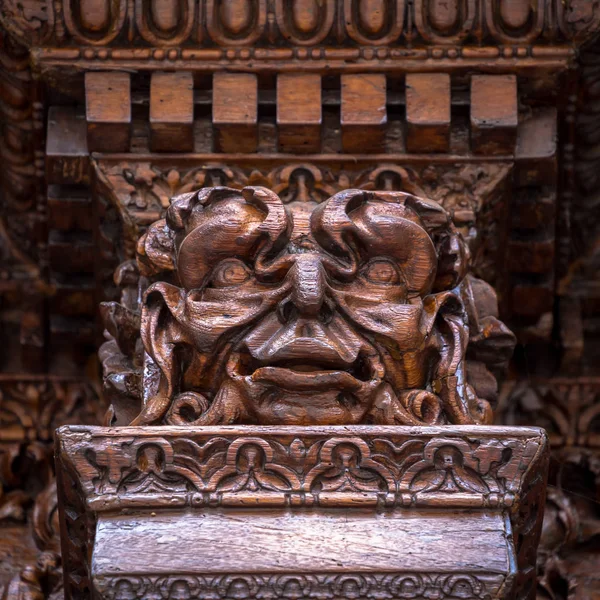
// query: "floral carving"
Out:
[398,468]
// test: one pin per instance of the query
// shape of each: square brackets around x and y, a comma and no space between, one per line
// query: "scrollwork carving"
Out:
[292,585]
[384,467]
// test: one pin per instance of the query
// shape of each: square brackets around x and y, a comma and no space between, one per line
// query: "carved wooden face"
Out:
[334,313]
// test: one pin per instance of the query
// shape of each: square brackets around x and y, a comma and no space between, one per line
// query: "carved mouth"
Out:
[303,374]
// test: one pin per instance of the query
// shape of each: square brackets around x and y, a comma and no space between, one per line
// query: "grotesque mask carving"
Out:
[355,310]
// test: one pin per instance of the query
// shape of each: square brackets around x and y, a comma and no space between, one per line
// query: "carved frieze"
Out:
[243,23]
[441,586]
[379,467]
[471,193]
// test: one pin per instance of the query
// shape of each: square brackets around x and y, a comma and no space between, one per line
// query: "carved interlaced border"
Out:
[383,467]
[383,586]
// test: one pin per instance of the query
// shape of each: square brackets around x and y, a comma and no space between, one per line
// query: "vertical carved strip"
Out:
[33,22]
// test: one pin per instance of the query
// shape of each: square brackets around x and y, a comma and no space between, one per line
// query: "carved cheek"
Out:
[399,323]
[214,313]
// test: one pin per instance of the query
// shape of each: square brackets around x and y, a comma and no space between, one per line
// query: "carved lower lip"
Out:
[295,380]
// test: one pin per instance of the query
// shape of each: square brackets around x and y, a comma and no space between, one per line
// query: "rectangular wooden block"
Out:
[307,524]
[108,111]
[427,112]
[363,112]
[69,208]
[67,155]
[535,154]
[299,112]
[235,112]
[494,114]
[172,112]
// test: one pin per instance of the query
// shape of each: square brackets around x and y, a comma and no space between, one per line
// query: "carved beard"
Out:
[281,398]
[259,382]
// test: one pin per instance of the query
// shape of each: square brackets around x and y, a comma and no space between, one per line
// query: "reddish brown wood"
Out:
[171,112]
[235,109]
[299,112]
[360,320]
[108,111]
[428,112]
[494,114]
[333,510]
[525,204]
[363,112]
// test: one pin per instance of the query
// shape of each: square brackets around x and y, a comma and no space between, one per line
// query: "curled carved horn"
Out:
[334,230]
[341,222]
[275,229]
[196,219]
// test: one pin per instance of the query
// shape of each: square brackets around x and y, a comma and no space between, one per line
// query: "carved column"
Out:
[345,341]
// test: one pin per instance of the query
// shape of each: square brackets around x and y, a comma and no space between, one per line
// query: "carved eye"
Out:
[229,273]
[381,271]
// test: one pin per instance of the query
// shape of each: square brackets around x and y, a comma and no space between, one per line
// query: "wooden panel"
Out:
[363,112]
[235,112]
[71,252]
[494,114]
[299,113]
[108,111]
[172,112]
[428,112]
[322,541]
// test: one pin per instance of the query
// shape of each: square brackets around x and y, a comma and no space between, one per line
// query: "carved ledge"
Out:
[322,508]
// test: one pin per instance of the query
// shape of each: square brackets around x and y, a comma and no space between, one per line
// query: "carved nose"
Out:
[307,298]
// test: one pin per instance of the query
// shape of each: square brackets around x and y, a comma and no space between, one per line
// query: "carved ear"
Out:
[156,250]
[331,225]
[446,312]
[452,250]
[161,334]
